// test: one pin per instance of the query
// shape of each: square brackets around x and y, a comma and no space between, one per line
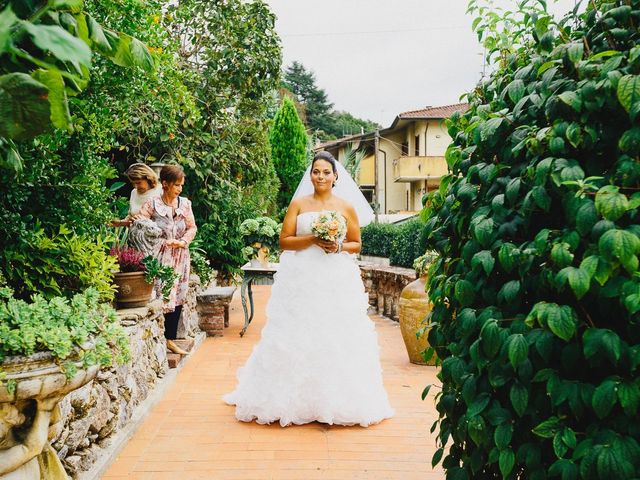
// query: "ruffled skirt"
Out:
[318,358]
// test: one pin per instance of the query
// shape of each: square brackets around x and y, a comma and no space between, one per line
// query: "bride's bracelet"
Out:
[339,247]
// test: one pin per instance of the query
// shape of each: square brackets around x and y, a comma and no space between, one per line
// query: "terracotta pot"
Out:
[133,290]
[414,306]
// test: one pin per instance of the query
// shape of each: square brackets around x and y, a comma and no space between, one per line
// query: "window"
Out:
[368,194]
[417,144]
[405,149]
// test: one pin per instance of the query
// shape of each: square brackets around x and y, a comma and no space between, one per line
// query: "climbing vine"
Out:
[537,289]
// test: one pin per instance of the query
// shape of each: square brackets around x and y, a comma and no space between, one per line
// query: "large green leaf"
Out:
[572,99]
[502,435]
[561,255]
[509,291]
[485,259]
[604,398]
[60,116]
[619,244]
[628,91]
[506,462]
[97,36]
[506,256]
[483,231]
[548,428]
[141,56]
[7,20]
[24,106]
[130,52]
[518,349]
[478,405]
[586,218]
[516,90]
[579,280]
[561,320]
[610,203]
[464,292]
[612,463]
[519,397]
[490,336]
[629,396]
[64,46]
[74,5]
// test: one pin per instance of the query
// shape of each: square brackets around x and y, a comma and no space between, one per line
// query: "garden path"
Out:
[192,434]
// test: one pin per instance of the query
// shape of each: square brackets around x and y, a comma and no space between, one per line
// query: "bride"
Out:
[318,358]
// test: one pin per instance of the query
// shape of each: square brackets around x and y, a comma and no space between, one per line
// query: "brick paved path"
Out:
[192,434]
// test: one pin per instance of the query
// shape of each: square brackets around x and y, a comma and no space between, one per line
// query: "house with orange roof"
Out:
[402,162]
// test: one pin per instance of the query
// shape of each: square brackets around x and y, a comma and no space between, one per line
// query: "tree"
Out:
[302,83]
[45,55]
[288,141]
[318,114]
[536,294]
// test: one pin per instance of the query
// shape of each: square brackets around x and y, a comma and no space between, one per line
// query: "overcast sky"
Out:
[377,58]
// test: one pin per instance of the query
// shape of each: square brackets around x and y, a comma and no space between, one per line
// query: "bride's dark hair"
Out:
[327,157]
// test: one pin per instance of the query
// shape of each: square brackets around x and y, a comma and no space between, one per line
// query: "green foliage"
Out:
[78,329]
[45,54]
[61,264]
[200,264]
[408,243]
[302,83]
[377,239]
[402,244]
[536,286]
[234,57]
[319,115]
[353,159]
[166,275]
[288,142]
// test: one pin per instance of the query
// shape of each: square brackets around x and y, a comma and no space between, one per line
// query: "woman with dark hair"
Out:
[318,358]
[173,214]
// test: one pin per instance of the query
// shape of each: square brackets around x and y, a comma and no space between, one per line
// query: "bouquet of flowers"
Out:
[330,225]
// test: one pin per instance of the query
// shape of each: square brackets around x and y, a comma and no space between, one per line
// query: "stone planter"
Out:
[27,411]
[133,290]
[414,307]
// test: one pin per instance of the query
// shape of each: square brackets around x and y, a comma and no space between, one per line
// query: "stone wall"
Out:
[189,321]
[93,415]
[384,285]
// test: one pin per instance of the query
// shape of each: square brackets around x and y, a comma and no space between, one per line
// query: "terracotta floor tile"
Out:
[192,434]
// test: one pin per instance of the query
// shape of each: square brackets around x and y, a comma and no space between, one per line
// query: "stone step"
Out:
[173,359]
[185,343]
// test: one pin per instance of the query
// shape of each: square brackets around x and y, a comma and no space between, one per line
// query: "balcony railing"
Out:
[412,169]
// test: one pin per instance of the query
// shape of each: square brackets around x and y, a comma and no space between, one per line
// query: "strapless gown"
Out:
[318,358]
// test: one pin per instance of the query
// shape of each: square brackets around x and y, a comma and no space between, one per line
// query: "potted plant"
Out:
[261,238]
[136,277]
[414,307]
[47,349]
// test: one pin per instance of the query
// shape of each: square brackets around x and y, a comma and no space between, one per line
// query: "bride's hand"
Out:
[329,247]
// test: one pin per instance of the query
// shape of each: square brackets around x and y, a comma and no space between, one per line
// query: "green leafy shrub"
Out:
[377,239]
[409,242]
[536,289]
[77,329]
[62,264]
[402,244]
[200,265]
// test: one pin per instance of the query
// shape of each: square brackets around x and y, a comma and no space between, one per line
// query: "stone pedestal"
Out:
[213,309]
[384,284]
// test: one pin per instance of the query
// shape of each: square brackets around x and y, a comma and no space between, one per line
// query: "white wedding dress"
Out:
[318,358]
